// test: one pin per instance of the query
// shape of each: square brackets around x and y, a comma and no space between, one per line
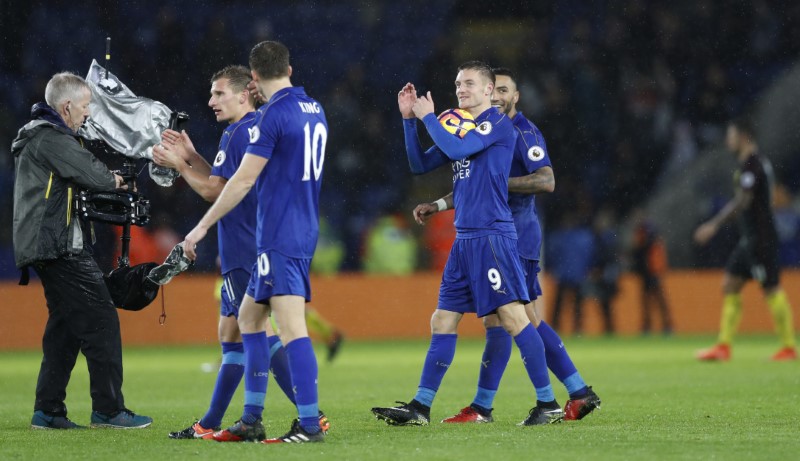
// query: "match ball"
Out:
[457,121]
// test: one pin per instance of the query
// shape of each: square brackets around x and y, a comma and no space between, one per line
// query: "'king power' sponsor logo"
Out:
[461,169]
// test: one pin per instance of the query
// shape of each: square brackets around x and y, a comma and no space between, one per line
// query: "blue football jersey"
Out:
[236,231]
[530,154]
[480,182]
[291,131]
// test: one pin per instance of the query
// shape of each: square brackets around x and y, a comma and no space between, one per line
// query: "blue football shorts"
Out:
[481,275]
[234,286]
[532,269]
[275,274]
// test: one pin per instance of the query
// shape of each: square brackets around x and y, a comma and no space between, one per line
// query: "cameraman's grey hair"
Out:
[64,86]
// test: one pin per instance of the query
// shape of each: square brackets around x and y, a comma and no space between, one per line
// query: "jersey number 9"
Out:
[315,150]
[494,279]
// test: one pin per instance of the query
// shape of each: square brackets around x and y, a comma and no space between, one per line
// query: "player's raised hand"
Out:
[188,146]
[423,212]
[406,99]
[253,89]
[705,233]
[423,106]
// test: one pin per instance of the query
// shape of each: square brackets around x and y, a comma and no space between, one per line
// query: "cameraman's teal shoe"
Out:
[124,419]
[41,420]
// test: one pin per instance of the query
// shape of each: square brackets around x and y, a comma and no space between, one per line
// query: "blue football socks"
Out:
[303,367]
[279,366]
[496,354]
[531,349]
[228,378]
[440,356]
[560,363]
[256,367]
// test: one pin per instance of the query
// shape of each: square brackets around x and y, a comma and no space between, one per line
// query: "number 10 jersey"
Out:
[291,132]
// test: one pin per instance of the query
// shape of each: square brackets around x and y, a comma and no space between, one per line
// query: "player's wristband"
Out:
[441,205]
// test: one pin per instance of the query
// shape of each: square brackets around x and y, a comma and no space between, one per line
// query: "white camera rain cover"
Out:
[129,124]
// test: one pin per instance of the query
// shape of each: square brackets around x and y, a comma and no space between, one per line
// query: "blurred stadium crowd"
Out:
[625,92]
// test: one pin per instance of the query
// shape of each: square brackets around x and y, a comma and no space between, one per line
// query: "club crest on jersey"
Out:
[220,158]
[535,153]
[484,128]
[255,133]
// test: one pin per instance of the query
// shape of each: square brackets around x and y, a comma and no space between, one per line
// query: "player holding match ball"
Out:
[531,174]
[483,273]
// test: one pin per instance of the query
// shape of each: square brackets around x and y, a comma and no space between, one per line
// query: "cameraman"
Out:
[50,164]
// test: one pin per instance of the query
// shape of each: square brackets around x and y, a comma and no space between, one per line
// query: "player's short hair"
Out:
[480,66]
[270,60]
[64,86]
[506,72]
[238,77]
[745,124]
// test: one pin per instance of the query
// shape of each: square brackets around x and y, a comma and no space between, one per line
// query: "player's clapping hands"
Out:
[406,99]
[174,148]
[423,106]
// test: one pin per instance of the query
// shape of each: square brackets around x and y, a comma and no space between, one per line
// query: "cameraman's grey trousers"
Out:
[82,318]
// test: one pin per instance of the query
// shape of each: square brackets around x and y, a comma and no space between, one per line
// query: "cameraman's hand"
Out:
[120,182]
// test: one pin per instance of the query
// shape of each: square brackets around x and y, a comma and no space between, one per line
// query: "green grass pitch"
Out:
[658,403]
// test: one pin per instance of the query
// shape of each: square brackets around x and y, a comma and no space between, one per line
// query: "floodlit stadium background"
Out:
[632,98]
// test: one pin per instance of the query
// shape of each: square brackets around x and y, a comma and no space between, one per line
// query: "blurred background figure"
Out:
[787,223]
[569,256]
[606,268]
[390,248]
[328,259]
[755,257]
[324,331]
[649,259]
[438,236]
[329,255]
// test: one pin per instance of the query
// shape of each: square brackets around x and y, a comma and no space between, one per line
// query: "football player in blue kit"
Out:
[232,103]
[483,273]
[284,162]
[531,174]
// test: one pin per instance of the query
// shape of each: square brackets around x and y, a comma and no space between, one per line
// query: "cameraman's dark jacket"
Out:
[50,165]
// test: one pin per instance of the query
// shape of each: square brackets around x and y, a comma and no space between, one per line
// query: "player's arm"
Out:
[424,211]
[541,181]
[181,156]
[420,161]
[707,230]
[234,191]
[453,147]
